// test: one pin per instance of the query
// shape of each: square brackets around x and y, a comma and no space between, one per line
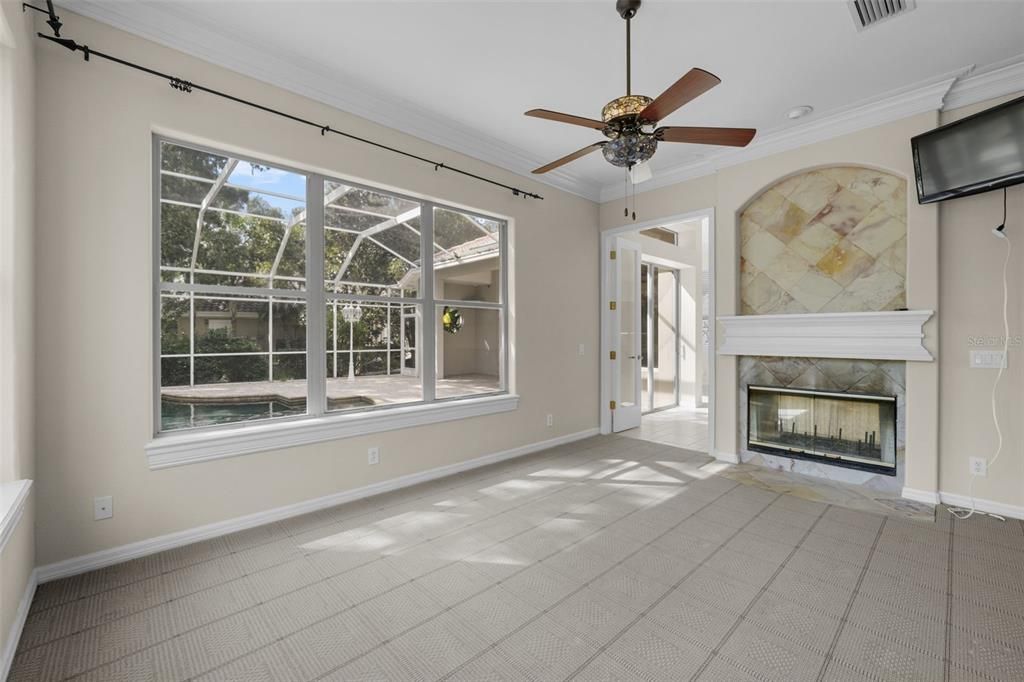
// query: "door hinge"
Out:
[611,305]
[612,255]
[611,355]
[612,405]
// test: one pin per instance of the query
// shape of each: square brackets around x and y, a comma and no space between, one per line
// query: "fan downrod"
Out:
[627,9]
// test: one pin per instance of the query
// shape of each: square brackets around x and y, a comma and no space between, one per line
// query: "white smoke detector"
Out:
[799,112]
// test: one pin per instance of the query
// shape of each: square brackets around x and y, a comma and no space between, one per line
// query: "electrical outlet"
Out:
[582,349]
[979,466]
[373,456]
[987,359]
[102,508]
[551,420]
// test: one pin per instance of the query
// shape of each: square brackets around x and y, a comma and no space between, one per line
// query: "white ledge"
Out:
[175,449]
[886,335]
[12,505]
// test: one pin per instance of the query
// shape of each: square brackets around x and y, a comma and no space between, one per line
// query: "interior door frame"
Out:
[606,244]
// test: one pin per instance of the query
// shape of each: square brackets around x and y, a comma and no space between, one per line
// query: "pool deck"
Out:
[382,390]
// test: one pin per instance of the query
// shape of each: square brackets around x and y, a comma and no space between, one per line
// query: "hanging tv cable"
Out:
[965,513]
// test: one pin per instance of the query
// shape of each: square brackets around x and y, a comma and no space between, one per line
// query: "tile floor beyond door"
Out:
[683,427]
[606,559]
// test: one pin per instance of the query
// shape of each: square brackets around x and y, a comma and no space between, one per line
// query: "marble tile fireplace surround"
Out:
[837,376]
[823,300]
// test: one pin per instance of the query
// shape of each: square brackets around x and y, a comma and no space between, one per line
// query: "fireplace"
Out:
[845,429]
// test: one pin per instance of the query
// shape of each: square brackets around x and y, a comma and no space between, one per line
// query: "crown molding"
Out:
[997,81]
[950,91]
[891,107]
[166,27]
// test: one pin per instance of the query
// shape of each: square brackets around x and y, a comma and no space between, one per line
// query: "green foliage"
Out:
[214,370]
[174,372]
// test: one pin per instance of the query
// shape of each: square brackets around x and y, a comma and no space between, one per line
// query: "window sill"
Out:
[172,450]
[12,505]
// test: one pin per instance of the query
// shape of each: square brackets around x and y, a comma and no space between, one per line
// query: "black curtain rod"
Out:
[185,86]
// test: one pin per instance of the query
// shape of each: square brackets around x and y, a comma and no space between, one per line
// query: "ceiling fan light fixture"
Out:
[629,149]
[640,173]
[629,122]
[627,105]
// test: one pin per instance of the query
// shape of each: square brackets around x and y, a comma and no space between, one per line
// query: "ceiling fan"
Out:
[629,121]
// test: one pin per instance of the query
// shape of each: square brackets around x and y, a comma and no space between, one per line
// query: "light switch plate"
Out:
[987,359]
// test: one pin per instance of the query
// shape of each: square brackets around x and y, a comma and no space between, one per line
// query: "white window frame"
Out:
[184,446]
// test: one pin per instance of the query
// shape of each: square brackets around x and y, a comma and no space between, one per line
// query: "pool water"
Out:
[184,415]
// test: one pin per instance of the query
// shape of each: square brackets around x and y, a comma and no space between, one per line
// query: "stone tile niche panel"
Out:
[829,240]
[873,377]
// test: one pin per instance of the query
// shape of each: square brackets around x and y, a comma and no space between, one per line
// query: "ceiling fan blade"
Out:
[571,157]
[566,118]
[691,86]
[729,137]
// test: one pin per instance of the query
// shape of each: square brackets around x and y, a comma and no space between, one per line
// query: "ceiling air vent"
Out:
[867,13]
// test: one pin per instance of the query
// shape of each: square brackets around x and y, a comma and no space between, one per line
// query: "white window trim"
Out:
[189,447]
[12,505]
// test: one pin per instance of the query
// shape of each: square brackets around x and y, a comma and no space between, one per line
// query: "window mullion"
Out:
[428,356]
[316,308]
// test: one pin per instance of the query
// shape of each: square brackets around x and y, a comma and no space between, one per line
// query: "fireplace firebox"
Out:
[845,429]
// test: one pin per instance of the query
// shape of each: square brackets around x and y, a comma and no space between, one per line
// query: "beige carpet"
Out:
[607,559]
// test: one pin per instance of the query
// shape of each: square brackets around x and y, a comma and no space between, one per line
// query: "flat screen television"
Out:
[975,154]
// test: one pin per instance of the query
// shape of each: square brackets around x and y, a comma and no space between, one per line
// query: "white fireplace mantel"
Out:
[886,335]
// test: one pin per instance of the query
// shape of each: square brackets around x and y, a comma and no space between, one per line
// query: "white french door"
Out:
[625,336]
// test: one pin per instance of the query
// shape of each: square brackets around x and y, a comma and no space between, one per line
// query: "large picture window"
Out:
[285,294]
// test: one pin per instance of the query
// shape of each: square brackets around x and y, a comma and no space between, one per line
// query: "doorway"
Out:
[657,370]
[662,348]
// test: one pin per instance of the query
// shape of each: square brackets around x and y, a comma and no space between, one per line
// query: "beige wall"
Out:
[885,147]
[16,304]
[972,296]
[17,177]
[94,276]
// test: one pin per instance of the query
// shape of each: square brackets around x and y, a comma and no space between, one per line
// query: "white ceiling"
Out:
[462,73]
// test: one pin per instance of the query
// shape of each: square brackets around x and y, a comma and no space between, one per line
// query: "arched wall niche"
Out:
[829,239]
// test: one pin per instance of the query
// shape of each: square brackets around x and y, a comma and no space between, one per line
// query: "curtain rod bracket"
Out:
[53,21]
[181,85]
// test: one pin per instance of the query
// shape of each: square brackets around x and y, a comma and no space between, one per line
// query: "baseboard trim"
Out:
[14,636]
[730,457]
[956,500]
[926,496]
[116,555]
[1009,510]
